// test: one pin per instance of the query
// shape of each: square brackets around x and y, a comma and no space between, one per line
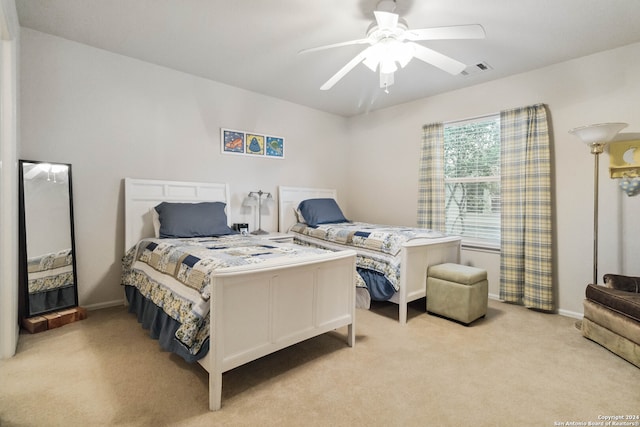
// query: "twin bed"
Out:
[410,254]
[254,309]
[256,296]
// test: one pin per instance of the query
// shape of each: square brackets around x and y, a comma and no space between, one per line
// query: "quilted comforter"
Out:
[377,246]
[382,238]
[177,274]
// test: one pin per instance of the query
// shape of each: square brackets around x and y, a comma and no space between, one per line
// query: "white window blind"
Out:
[472,180]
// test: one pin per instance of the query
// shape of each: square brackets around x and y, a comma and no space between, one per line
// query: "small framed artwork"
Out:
[275,147]
[233,141]
[255,144]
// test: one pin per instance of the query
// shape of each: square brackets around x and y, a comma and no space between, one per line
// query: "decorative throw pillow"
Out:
[321,211]
[622,283]
[205,219]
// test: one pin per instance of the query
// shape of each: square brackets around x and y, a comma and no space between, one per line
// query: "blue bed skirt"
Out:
[161,326]
[378,286]
[53,299]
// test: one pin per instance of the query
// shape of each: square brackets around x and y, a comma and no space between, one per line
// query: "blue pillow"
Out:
[321,211]
[204,219]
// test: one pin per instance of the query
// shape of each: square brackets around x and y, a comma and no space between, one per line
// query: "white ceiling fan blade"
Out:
[331,46]
[474,31]
[386,20]
[344,70]
[437,59]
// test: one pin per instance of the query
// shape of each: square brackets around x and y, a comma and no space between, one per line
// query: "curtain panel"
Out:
[431,178]
[526,267]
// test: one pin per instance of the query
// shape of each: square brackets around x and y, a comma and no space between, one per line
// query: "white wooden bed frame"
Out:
[416,255]
[256,311]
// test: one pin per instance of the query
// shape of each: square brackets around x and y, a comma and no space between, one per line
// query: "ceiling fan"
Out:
[392,43]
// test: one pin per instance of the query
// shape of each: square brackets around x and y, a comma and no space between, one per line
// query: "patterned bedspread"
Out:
[50,271]
[50,261]
[381,238]
[377,246]
[177,274]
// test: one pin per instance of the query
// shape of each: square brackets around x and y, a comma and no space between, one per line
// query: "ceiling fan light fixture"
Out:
[387,53]
[404,61]
[403,53]
[388,66]
[385,57]
[372,63]
[375,55]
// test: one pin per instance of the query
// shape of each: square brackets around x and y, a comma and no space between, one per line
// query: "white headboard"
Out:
[141,195]
[290,197]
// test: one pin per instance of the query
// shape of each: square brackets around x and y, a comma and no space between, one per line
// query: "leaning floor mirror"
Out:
[48,279]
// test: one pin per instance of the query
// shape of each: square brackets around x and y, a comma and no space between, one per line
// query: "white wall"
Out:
[113,117]
[594,89]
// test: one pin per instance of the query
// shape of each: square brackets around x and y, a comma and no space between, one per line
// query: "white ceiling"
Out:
[253,44]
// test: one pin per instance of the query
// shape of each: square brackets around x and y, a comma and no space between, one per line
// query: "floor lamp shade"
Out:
[596,137]
[598,134]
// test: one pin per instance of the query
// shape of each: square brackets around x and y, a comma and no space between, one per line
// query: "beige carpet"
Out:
[516,367]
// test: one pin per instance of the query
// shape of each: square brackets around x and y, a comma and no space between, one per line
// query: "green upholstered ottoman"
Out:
[458,292]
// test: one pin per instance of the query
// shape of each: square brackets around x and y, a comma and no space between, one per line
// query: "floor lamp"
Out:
[596,137]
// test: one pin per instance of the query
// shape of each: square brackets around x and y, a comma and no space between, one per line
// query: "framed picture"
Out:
[275,147]
[233,141]
[253,144]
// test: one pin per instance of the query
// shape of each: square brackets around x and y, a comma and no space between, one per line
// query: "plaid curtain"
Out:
[431,178]
[526,266]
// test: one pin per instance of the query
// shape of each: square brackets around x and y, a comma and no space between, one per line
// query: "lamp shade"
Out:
[599,133]
[250,201]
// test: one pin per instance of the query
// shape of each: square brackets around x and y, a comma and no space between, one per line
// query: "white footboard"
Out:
[417,256]
[255,313]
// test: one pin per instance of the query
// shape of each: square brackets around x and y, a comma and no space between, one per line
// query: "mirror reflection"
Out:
[48,275]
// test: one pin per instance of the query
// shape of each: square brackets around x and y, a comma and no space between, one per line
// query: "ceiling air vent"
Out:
[480,67]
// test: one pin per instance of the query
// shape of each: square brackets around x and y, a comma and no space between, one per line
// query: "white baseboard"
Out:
[98,306]
[115,303]
[561,312]
[571,314]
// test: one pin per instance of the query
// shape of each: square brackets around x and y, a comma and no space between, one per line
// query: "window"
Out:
[472,180]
